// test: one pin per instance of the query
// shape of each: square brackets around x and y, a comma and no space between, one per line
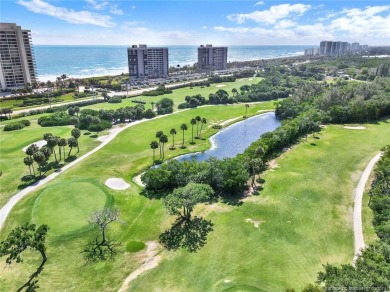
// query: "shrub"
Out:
[115,99]
[14,126]
[25,122]
[134,246]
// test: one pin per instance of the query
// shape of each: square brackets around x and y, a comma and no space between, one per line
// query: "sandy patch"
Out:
[273,164]
[250,79]
[39,143]
[220,85]
[151,261]
[229,121]
[355,128]
[117,184]
[138,181]
[256,223]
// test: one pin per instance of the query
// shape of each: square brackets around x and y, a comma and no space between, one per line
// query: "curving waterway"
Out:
[236,138]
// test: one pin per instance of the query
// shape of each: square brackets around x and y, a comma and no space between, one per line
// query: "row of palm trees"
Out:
[41,155]
[162,138]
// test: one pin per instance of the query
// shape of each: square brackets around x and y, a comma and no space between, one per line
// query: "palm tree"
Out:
[173,133]
[154,146]
[40,159]
[61,143]
[31,150]
[183,127]
[76,134]
[198,119]
[234,91]
[204,121]
[29,162]
[51,143]
[158,135]
[72,142]
[193,122]
[163,140]
[246,109]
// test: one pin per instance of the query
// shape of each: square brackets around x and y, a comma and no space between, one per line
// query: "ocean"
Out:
[88,61]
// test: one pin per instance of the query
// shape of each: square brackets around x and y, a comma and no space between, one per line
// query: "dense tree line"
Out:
[340,103]
[226,177]
[160,90]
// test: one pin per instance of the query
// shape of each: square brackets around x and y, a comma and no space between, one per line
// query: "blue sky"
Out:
[112,22]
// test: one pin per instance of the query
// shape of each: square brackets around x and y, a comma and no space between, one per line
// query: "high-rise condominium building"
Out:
[212,58]
[17,63]
[147,62]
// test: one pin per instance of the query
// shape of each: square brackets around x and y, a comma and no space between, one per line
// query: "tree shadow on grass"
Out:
[29,180]
[70,158]
[190,234]
[313,144]
[32,284]
[94,136]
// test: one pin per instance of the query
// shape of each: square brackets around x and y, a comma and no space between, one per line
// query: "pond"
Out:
[236,138]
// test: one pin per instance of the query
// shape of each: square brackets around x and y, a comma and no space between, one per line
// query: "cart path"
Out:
[357,211]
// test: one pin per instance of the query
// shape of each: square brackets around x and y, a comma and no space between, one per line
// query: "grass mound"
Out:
[68,211]
[134,246]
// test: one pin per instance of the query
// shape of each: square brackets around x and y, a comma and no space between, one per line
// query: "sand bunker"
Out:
[117,184]
[355,128]
[38,143]
[138,181]
[255,223]
[220,85]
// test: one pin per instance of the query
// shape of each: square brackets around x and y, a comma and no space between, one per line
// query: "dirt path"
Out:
[152,260]
[357,211]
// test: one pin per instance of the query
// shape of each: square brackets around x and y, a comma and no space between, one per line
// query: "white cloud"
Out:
[98,5]
[329,15]
[68,15]
[285,24]
[259,3]
[364,23]
[133,7]
[204,27]
[114,9]
[272,15]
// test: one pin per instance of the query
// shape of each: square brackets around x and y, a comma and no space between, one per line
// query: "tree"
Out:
[255,166]
[163,140]
[154,146]
[183,127]
[20,239]
[72,142]
[204,121]
[29,162]
[46,136]
[193,122]
[198,119]
[246,109]
[102,249]
[61,143]
[76,133]
[31,150]
[183,200]
[234,91]
[52,142]
[76,110]
[40,158]
[173,133]
[158,135]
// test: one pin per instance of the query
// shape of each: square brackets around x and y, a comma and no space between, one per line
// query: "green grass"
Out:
[11,154]
[304,209]
[179,95]
[135,246]
[68,213]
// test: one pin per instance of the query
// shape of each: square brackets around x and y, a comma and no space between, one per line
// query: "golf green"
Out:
[68,211]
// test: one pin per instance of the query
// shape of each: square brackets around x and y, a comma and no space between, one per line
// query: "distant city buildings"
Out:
[147,62]
[331,48]
[17,63]
[212,58]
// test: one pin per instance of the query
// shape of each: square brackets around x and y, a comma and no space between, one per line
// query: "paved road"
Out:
[130,93]
[357,211]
